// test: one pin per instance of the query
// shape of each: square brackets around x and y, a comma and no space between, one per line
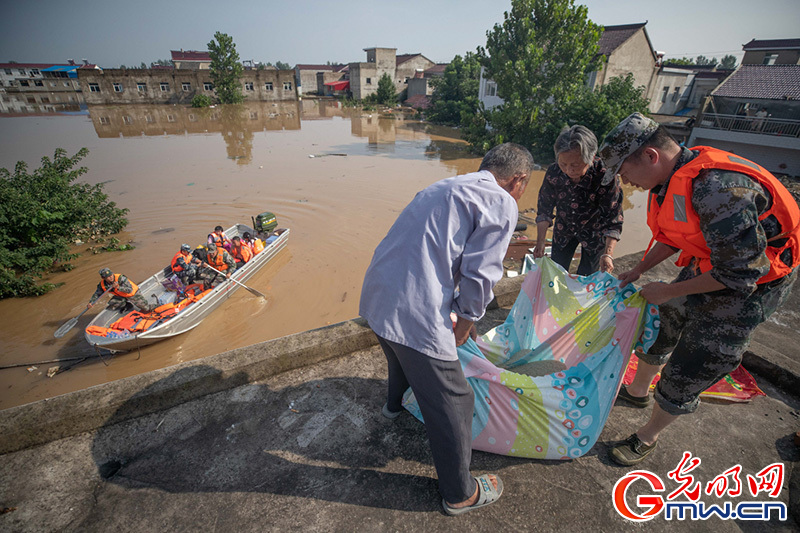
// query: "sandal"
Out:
[487,494]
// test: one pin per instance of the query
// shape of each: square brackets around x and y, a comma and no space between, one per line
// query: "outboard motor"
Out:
[265,222]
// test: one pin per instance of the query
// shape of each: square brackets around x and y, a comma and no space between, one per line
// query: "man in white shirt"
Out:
[454,234]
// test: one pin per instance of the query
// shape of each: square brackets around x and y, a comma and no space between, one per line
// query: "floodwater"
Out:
[182,171]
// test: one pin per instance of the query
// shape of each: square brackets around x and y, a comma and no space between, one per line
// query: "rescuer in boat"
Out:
[184,265]
[124,290]
[219,239]
[241,252]
[221,260]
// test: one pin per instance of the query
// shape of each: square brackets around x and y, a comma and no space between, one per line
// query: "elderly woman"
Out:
[587,212]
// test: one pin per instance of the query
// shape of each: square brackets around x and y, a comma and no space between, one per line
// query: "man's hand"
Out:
[89,305]
[629,277]
[464,330]
[658,292]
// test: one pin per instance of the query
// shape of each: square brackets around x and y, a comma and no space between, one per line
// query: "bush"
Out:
[201,100]
[41,214]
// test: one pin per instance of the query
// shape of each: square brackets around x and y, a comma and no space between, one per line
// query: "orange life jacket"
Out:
[117,291]
[174,263]
[221,242]
[242,253]
[217,261]
[258,246]
[676,223]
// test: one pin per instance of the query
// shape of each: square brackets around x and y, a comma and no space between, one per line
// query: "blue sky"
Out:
[113,32]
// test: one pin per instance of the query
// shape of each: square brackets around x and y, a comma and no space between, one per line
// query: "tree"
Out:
[728,62]
[601,110]
[682,61]
[539,58]
[42,213]
[386,93]
[456,92]
[226,70]
[280,65]
[704,61]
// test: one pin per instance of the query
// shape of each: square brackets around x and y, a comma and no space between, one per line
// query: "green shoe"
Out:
[638,401]
[630,451]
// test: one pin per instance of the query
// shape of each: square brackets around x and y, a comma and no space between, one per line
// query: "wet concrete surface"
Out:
[308,449]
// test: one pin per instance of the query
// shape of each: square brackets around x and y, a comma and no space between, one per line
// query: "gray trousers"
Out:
[447,403]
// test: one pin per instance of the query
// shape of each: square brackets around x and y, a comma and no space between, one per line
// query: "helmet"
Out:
[105,272]
[186,248]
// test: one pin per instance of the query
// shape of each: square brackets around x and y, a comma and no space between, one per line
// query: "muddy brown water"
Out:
[182,171]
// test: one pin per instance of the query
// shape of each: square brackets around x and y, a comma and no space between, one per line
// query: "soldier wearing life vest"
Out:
[223,265]
[219,239]
[124,290]
[184,265]
[737,229]
[240,252]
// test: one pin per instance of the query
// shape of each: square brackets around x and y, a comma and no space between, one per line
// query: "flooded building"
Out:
[34,87]
[400,68]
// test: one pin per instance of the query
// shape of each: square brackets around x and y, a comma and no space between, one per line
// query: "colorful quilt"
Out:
[546,379]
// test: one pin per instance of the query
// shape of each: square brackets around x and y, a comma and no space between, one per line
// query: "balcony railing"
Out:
[759,125]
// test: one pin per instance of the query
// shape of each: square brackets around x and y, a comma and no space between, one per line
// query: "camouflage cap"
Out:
[627,137]
[211,247]
[105,272]
[186,248]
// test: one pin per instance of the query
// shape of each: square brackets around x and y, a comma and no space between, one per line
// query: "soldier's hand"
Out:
[657,293]
[89,305]
[628,277]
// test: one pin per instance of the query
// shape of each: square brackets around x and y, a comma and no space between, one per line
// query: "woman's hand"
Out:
[538,250]
[606,263]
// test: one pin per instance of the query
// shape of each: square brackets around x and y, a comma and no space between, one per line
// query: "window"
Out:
[117,87]
[66,84]
[34,72]
[45,100]
[248,86]
[208,86]
[369,81]
[170,118]
[186,86]
[675,94]
[253,115]
[94,88]
[664,95]
[192,117]
[268,86]
[24,83]
[769,59]
[52,84]
[148,119]
[105,120]
[126,119]
[38,83]
[141,87]
[164,87]
[287,86]
[21,71]
[8,71]
[491,88]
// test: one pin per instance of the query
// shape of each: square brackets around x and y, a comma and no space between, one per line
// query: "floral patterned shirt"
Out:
[586,210]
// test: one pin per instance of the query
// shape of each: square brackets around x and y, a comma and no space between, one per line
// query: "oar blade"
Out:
[68,325]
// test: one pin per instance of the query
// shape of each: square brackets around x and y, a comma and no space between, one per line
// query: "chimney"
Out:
[85,61]
[71,61]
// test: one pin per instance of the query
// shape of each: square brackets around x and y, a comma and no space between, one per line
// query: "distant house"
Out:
[30,87]
[306,77]
[191,59]
[755,113]
[772,52]
[364,76]
[420,88]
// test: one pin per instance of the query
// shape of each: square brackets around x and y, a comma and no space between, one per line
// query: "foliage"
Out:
[601,110]
[201,100]
[41,214]
[702,61]
[386,93]
[456,92]
[728,61]
[226,70]
[162,62]
[280,65]
[681,61]
[539,58]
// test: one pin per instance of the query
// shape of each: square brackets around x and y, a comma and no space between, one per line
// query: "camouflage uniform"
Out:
[118,303]
[703,336]
[211,278]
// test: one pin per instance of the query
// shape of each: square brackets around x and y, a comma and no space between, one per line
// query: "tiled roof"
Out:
[769,82]
[27,65]
[771,44]
[402,58]
[438,68]
[614,36]
[190,55]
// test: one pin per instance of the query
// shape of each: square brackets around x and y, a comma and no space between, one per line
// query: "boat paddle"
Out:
[252,291]
[68,325]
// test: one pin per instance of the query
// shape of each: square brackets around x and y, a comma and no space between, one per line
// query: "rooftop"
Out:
[768,82]
[190,55]
[613,36]
[772,44]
